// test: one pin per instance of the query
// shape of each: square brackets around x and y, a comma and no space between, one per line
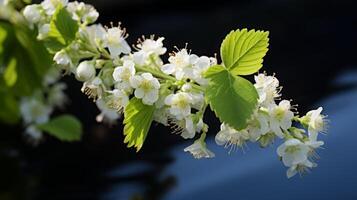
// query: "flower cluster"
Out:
[113,73]
[37,108]
[275,120]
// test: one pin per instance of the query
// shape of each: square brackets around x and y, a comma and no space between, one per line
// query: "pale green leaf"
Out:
[137,119]
[242,51]
[231,97]
[63,29]
[65,128]
[10,74]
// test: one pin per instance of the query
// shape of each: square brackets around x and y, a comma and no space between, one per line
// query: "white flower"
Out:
[33,134]
[200,65]
[301,168]
[316,123]
[197,100]
[125,72]
[93,88]
[281,117]
[117,100]
[180,65]
[180,104]
[199,150]
[258,126]
[230,137]
[85,71]
[107,114]
[43,31]
[268,89]
[151,46]
[96,34]
[293,152]
[149,52]
[81,11]
[62,58]
[187,127]
[56,96]
[186,87]
[115,41]
[32,13]
[52,76]
[33,110]
[146,88]
[50,5]
[161,116]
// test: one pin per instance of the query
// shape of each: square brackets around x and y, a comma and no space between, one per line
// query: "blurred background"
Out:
[313,53]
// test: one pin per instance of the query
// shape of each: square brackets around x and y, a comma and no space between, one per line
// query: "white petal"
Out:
[168,69]
[135,81]
[139,93]
[291,172]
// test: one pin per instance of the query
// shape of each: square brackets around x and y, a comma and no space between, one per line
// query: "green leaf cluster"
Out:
[232,97]
[23,63]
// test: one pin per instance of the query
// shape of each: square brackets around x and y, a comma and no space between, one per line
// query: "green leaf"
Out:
[65,128]
[63,29]
[10,74]
[242,52]
[137,119]
[231,97]
[3,35]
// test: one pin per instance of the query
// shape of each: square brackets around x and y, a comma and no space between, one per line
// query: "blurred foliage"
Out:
[23,63]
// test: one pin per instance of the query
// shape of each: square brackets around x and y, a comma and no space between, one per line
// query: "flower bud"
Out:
[85,71]
[32,13]
[62,58]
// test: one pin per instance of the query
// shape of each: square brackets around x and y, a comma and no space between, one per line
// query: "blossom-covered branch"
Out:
[141,85]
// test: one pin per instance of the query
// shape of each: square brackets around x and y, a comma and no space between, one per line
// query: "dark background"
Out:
[311,44]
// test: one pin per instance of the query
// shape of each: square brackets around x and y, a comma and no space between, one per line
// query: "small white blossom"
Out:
[299,168]
[151,46]
[293,152]
[146,88]
[200,66]
[34,135]
[316,123]
[83,12]
[125,72]
[180,65]
[115,41]
[117,100]
[93,88]
[180,104]
[50,5]
[32,13]
[43,31]
[258,126]
[186,87]
[267,88]
[96,35]
[281,117]
[62,58]
[229,137]
[85,71]
[199,150]
[107,115]
[33,110]
[56,96]
[161,116]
